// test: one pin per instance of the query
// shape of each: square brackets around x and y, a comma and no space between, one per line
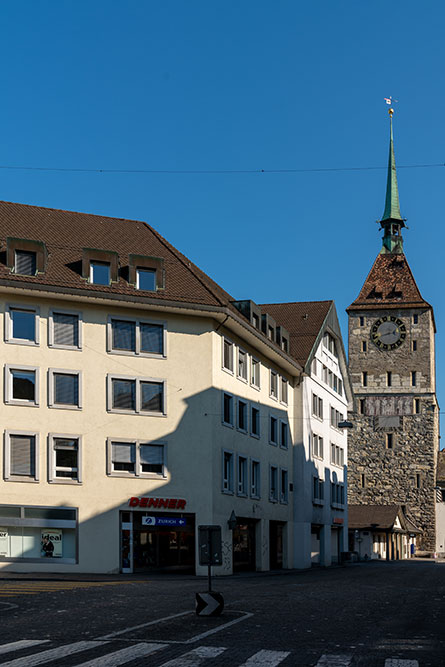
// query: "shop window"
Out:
[100,273]
[137,395]
[273,384]
[273,430]
[65,458]
[227,472]
[227,361]
[284,434]
[242,476]
[21,456]
[255,479]
[146,279]
[22,325]
[255,373]
[65,389]
[273,484]
[255,422]
[22,385]
[242,365]
[64,330]
[284,486]
[242,416]
[136,458]
[136,337]
[227,409]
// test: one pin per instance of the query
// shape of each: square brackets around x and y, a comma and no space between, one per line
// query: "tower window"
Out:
[363,480]
[417,481]
[413,378]
[389,379]
[417,406]
[362,321]
[362,406]
[389,440]
[415,319]
[364,346]
[414,345]
[365,378]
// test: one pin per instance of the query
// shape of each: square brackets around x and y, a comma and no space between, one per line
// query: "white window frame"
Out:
[255,406]
[224,340]
[8,385]
[52,476]
[74,313]
[230,424]
[284,492]
[255,363]
[8,324]
[273,377]
[283,422]
[284,383]
[273,498]
[7,476]
[246,414]
[137,380]
[317,450]
[227,484]
[51,390]
[138,473]
[273,442]
[255,490]
[246,365]
[242,481]
[137,322]
[146,269]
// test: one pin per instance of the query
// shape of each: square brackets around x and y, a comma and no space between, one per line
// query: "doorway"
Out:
[244,546]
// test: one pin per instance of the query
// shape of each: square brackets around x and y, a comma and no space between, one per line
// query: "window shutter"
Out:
[22,448]
[124,394]
[65,443]
[124,335]
[152,454]
[151,396]
[66,389]
[66,329]
[25,263]
[152,338]
[123,452]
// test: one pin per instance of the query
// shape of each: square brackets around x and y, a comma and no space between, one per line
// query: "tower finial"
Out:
[392,221]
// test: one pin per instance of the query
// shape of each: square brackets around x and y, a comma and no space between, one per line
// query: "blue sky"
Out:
[230,85]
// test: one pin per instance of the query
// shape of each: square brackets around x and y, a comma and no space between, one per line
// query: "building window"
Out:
[361,321]
[227,408]
[284,435]
[365,378]
[65,388]
[413,378]
[337,455]
[273,431]
[22,385]
[418,481]
[136,458]
[255,479]
[362,406]
[314,367]
[284,486]
[138,395]
[325,374]
[329,343]
[284,344]
[337,494]
[242,476]
[273,384]
[22,325]
[284,391]
[389,379]
[415,319]
[336,417]
[317,446]
[227,472]
[363,480]
[136,337]
[389,440]
[255,321]
[21,456]
[317,406]
[64,458]
[417,406]
[317,489]
[100,273]
[364,345]
[414,345]
[242,365]
[228,355]
[273,484]
[255,373]
[146,279]
[25,263]
[64,330]
[242,416]
[255,422]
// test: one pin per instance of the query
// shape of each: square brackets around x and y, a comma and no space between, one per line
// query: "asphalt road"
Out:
[367,615]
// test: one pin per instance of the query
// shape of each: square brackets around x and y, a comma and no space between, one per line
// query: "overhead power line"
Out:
[214,171]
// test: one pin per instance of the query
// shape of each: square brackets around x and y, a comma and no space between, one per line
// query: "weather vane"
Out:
[389,100]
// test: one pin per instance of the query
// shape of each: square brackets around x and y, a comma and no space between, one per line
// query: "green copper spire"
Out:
[392,221]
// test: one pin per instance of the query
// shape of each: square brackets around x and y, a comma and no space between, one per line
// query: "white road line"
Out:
[124,655]
[144,625]
[23,643]
[331,660]
[397,662]
[196,657]
[51,654]
[197,638]
[266,659]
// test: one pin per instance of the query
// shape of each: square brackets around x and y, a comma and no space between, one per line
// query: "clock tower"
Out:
[393,446]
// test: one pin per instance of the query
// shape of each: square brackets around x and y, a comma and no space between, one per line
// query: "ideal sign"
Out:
[4,551]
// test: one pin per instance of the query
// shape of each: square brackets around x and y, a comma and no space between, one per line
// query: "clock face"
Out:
[388,332]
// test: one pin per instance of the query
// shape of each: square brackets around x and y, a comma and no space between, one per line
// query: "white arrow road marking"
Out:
[211,603]
[196,657]
[396,662]
[266,659]
[124,655]
[23,643]
[330,660]
[51,654]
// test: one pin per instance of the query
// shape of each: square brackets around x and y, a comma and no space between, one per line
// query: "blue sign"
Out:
[162,521]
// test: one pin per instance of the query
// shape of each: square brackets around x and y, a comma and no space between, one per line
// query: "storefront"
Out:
[154,537]
[244,545]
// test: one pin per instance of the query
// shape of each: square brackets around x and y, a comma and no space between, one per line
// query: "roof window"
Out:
[100,267]
[25,257]
[146,273]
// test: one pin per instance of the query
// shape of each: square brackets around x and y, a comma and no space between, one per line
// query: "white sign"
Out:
[54,535]
[4,542]
[148,521]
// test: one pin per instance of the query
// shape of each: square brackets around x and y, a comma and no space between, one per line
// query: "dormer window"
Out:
[146,279]
[99,273]
[25,263]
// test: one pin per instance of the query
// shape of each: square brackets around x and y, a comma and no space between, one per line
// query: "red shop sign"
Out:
[158,503]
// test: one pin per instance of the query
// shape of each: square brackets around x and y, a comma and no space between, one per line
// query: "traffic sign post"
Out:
[210,553]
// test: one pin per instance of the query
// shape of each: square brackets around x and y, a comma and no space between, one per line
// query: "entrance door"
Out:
[244,559]
[163,548]
[276,545]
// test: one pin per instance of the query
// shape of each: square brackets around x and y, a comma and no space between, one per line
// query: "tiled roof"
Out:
[389,283]
[377,516]
[303,320]
[66,233]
